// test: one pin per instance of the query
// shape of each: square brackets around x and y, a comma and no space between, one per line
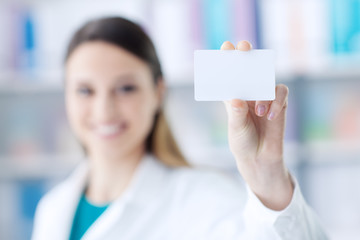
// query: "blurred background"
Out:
[317,43]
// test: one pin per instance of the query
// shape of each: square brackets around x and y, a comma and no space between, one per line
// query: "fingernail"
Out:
[271,116]
[260,110]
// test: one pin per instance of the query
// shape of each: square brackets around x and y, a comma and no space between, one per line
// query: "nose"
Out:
[104,108]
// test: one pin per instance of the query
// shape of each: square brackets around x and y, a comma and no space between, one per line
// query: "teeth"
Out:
[106,130]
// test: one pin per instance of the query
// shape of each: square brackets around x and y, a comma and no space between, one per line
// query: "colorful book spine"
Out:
[217,22]
[345,20]
[245,22]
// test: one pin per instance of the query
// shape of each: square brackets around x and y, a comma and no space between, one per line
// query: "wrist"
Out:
[271,183]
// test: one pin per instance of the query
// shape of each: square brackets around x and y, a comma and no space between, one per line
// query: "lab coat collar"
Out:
[70,190]
[143,188]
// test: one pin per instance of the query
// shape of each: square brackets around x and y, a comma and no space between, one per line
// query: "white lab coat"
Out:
[173,204]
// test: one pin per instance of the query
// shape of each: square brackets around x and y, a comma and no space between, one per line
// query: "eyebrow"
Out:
[119,79]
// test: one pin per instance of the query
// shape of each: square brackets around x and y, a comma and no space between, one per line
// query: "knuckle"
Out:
[276,105]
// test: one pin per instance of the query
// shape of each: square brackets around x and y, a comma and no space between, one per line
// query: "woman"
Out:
[136,184]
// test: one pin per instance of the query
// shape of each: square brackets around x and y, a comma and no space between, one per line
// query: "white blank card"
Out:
[228,74]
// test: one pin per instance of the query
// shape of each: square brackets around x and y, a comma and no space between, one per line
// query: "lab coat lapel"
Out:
[68,203]
[143,188]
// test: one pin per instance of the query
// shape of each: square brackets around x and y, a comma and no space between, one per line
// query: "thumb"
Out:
[237,111]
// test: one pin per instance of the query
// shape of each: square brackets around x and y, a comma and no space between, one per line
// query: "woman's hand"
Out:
[256,136]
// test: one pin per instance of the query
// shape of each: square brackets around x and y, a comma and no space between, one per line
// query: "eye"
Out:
[126,89]
[84,91]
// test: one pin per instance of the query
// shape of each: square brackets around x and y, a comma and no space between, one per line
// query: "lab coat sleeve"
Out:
[296,222]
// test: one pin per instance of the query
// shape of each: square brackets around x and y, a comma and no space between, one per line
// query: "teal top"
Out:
[85,215]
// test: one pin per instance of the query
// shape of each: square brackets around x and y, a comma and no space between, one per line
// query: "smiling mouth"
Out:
[110,131]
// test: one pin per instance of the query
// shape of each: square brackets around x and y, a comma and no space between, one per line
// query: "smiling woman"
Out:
[124,64]
[135,183]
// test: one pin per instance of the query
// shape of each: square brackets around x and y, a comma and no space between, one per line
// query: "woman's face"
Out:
[111,99]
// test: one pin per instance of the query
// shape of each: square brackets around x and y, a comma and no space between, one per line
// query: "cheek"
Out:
[76,113]
[141,113]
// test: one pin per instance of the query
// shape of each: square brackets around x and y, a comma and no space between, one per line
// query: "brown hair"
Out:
[130,36]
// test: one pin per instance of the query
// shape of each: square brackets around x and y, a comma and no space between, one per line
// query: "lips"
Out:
[110,130]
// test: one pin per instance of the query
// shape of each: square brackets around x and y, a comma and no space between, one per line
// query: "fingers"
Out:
[237,112]
[243,46]
[262,107]
[281,100]
[227,46]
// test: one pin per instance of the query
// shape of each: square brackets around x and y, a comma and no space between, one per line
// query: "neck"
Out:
[110,175]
